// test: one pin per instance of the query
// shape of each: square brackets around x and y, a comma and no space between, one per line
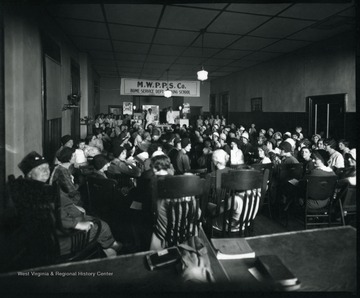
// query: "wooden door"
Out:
[327,115]
[224,105]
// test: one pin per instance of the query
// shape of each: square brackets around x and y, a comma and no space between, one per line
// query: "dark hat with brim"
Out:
[236,141]
[185,142]
[118,150]
[31,161]
[65,154]
[285,146]
[99,161]
[321,155]
[65,139]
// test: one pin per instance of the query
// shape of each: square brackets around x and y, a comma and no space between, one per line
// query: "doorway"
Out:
[327,115]
[224,105]
[212,106]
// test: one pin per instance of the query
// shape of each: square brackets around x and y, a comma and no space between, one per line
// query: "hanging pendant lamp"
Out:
[202,75]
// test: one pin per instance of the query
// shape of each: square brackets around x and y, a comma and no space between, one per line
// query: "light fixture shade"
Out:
[167,93]
[202,75]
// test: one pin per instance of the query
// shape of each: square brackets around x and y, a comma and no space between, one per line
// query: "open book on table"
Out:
[232,248]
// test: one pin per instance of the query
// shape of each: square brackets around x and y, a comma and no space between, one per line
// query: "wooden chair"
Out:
[210,204]
[285,172]
[240,167]
[319,188]
[103,196]
[32,245]
[199,172]
[289,171]
[180,196]
[248,185]
[269,167]
[82,248]
[347,203]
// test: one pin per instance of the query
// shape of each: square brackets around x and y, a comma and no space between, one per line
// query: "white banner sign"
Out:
[157,88]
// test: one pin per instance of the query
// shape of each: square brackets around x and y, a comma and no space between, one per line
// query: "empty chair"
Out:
[319,189]
[347,203]
[176,209]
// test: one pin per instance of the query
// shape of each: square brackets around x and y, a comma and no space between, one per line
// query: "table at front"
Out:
[322,259]
[123,274]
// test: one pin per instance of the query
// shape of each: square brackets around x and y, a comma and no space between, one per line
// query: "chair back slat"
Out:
[182,205]
[243,186]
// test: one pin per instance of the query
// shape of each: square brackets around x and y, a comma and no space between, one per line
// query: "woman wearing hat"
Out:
[236,155]
[101,165]
[246,147]
[63,175]
[298,190]
[120,165]
[182,161]
[285,152]
[66,141]
[34,187]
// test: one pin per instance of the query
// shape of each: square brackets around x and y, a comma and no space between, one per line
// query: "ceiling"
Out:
[145,40]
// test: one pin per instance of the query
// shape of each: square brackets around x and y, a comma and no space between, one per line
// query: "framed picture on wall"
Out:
[127,108]
[256,104]
[116,110]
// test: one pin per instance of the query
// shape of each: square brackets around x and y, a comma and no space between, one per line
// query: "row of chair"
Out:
[215,196]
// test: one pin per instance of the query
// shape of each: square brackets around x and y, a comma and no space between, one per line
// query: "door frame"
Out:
[340,98]
[220,112]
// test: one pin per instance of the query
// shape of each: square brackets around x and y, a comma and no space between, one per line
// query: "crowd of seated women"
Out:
[119,149]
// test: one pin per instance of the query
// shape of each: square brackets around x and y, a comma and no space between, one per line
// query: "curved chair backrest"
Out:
[349,203]
[246,186]
[263,166]
[290,171]
[240,167]
[102,195]
[321,188]
[180,196]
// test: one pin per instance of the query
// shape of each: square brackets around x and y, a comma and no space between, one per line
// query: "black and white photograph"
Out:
[178,148]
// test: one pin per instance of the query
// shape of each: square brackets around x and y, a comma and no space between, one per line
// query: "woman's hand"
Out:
[84,225]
